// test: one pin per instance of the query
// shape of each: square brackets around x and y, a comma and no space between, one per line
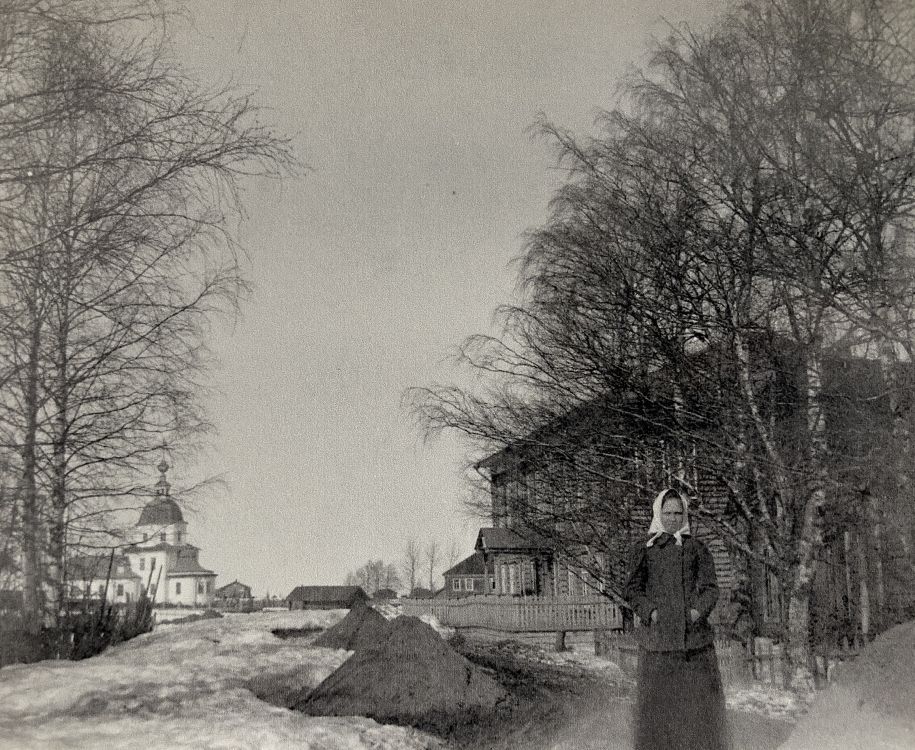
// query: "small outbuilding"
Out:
[234,590]
[326,597]
[384,594]
[469,577]
[235,596]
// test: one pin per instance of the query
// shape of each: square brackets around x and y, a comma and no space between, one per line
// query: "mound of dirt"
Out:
[408,677]
[362,626]
[870,702]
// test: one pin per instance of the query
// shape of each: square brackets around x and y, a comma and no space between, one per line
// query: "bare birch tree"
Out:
[114,262]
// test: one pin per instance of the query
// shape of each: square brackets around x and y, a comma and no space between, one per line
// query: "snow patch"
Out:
[184,686]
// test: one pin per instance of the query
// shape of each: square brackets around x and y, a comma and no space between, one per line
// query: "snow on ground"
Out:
[183,686]
[768,701]
[764,700]
[390,611]
[170,615]
[585,659]
[871,701]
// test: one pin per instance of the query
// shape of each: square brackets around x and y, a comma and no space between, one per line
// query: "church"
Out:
[158,560]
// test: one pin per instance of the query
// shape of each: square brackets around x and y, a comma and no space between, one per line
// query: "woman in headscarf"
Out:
[672,589]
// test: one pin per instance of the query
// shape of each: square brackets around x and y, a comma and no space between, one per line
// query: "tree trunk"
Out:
[877,526]
[32,527]
[810,538]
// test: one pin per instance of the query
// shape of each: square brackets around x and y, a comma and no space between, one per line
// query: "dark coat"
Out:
[673,579]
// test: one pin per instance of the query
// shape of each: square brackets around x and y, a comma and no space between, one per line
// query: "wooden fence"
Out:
[514,614]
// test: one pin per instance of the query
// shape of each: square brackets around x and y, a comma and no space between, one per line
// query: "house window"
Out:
[468,584]
[200,588]
[177,588]
[209,586]
[162,537]
[101,589]
[152,563]
[120,589]
[178,537]
[152,590]
[492,583]
[142,563]
[456,584]
[145,537]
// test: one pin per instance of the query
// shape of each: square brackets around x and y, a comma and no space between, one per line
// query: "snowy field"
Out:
[184,686]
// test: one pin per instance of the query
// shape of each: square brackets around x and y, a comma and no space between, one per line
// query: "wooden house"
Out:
[570,501]
[469,577]
[235,595]
[325,597]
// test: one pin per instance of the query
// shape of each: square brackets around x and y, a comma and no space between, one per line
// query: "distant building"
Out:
[159,561]
[232,592]
[469,577]
[325,597]
[384,594]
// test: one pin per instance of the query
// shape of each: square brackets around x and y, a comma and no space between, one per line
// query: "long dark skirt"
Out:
[680,702]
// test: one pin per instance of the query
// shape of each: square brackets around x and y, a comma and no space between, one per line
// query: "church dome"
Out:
[163,511]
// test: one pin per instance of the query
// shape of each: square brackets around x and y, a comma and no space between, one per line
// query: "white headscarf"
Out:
[657,527]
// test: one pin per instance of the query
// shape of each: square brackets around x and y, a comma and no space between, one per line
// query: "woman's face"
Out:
[672,514]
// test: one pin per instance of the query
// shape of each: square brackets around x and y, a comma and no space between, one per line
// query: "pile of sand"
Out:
[871,702]
[405,678]
[362,626]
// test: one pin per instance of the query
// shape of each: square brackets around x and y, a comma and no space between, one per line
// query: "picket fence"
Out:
[514,614]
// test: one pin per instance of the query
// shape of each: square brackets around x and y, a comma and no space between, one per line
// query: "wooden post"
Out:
[846,541]
[877,527]
[864,599]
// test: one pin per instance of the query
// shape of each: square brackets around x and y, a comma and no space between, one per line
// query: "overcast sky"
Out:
[414,118]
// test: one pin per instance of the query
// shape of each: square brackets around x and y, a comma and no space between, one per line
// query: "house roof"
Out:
[161,511]
[186,563]
[508,539]
[134,548]
[95,567]
[473,565]
[231,587]
[191,568]
[324,594]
